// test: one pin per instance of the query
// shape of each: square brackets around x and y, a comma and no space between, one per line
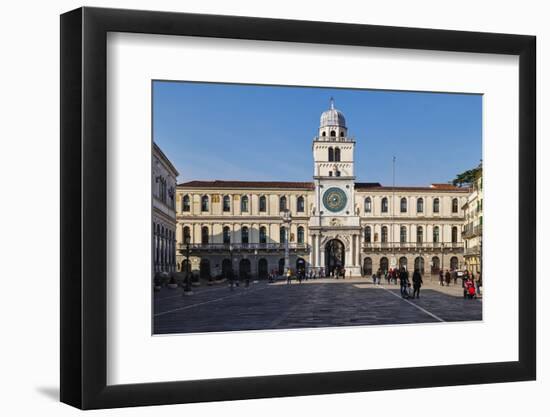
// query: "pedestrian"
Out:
[404,282]
[441,278]
[479,284]
[447,277]
[469,289]
[288,276]
[455,276]
[343,270]
[417,283]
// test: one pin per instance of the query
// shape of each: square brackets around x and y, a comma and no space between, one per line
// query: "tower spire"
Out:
[332,103]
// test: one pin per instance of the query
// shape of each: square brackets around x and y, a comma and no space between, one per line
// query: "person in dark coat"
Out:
[417,283]
[441,277]
[404,282]
[447,277]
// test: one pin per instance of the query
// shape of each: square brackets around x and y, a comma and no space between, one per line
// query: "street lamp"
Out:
[187,289]
[287,218]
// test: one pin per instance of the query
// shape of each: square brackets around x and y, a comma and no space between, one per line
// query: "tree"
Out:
[467,177]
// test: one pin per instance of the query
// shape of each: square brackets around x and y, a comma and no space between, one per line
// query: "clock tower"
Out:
[335,225]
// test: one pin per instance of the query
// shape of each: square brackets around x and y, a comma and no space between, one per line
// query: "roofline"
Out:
[165,158]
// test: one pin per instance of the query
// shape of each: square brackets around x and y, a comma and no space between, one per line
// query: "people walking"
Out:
[441,278]
[288,276]
[404,282]
[417,283]
[479,284]
[447,277]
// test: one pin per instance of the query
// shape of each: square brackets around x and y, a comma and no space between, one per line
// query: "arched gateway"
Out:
[335,256]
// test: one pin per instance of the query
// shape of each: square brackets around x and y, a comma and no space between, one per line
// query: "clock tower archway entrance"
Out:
[335,254]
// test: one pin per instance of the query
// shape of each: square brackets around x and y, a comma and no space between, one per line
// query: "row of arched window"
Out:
[245,235]
[403,238]
[419,264]
[332,133]
[164,241]
[403,205]
[244,203]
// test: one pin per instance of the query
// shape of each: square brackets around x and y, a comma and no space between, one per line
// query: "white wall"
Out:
[29,162]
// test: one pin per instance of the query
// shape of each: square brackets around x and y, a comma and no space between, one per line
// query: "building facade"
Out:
[472,232]
[164,180]
[334,221]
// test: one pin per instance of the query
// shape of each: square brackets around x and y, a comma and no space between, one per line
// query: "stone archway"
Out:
[262,268]
[335,256]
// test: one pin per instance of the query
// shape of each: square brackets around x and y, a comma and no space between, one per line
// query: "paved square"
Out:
[317,303]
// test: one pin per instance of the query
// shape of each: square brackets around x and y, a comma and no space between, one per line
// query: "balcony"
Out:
[244,247]
[473,251]
[334,139]
[470,231]
[413,246]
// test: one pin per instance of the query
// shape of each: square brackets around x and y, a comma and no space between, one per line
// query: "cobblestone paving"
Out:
[318,303]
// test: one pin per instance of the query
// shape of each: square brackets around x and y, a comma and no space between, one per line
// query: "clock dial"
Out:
[334,199]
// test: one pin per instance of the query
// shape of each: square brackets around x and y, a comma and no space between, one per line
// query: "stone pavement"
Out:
[314,303]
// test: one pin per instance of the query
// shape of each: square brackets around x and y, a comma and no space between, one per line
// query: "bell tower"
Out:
[335,222]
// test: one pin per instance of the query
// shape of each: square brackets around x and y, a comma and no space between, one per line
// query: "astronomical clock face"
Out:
[335,199]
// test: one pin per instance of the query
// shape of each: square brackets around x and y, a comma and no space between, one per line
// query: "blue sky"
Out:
[251,132]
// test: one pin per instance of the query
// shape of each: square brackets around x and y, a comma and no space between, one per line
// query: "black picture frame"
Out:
[84,207]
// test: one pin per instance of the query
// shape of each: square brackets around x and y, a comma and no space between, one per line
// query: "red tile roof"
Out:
[366,186]
[247,184]
[360,186]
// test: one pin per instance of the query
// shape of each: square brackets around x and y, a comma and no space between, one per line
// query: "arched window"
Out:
[384,205]
[368,234]
[282,203]
[436,265]
[282,235]
[455,205]
[331,154]
[226,203]
[368,205]
[454,234]
[244,204]
[403,205]
[244,235]
[337,154]
[341,133]
[204,203]
[324,134]
[384,264]
[367,266]
[403,262]
[263,203]
[300,204]
[384,234]
[263,235]
[454,263]
[436,234]
[420,205]
[436,205]
[185,203]
[204,235]
[419,234]
[186,234]
[332,133]
[300,235]
[226,235]
[403,234]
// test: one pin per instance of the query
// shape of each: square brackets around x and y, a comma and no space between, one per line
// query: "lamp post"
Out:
[187,289]
[287,218]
